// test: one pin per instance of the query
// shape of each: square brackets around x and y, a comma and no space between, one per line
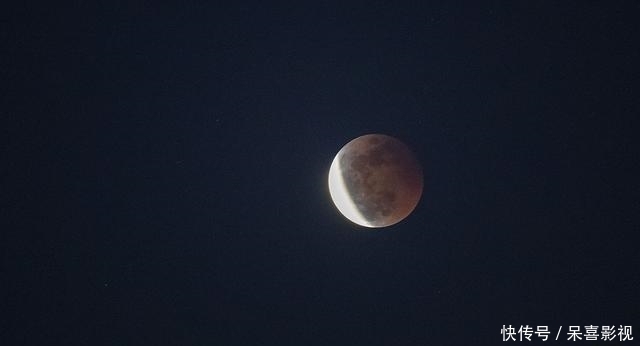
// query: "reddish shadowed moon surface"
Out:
[375,181]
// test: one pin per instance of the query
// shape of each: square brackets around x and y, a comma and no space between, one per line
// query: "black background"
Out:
[164,171]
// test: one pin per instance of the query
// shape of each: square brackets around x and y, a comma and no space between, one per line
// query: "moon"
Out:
[375,181]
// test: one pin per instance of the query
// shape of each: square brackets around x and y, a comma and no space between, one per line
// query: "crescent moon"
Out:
[340,195]
[375,181]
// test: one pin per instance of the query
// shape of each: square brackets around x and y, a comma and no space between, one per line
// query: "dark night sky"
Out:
[164,171]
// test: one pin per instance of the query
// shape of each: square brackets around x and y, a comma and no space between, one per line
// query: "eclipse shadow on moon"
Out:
[375,181]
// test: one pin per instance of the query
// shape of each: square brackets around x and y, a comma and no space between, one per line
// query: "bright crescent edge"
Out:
[340,195]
